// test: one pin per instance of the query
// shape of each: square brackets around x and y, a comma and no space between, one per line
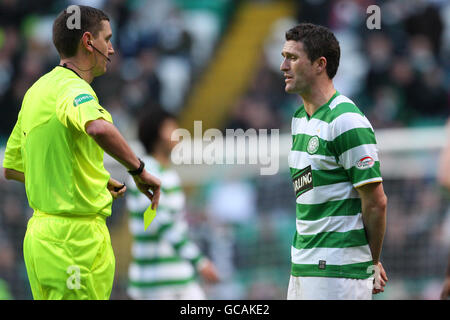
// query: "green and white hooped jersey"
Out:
[163,256]
[333,152]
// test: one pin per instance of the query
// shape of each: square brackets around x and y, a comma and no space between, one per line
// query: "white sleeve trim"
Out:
[372,180]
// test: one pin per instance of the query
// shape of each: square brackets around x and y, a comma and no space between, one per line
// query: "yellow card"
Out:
[149,215]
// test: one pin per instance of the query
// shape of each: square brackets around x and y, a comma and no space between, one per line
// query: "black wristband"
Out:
[138,170]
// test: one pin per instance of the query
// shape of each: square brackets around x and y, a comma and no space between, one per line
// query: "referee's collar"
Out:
[64,65]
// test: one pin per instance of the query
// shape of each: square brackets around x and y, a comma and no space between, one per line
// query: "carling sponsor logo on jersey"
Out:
[303,181]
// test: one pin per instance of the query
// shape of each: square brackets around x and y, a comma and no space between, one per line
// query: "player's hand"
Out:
[380,279]
[116,188]
[145,182]
[445,294]
[208,271]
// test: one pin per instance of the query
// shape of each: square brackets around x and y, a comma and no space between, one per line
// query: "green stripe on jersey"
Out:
[340,109]
[353,238]
[364,174]
[300,143]
[146,238]
[355,270]
[353,138]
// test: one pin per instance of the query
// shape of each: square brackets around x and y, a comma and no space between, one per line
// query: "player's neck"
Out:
[81,67]
[317,96]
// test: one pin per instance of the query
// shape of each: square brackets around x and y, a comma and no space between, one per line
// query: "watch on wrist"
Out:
[139,170]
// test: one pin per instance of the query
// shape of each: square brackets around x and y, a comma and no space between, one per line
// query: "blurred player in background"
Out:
[444,180]
[341,205]
[56,149]
[165,260]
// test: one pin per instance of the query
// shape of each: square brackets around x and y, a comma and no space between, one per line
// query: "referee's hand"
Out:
[116,188]
[146,183]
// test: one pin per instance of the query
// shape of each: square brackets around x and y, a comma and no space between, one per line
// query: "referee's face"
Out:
[104,45]
[296,68]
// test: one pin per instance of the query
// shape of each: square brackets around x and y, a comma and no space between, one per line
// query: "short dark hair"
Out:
[318,41]
[67,40]
[150,123]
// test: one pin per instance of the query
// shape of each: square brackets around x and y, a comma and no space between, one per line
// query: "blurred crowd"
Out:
[161,46]
[399,76]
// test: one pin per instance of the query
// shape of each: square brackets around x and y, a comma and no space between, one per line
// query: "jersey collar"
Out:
[66,67]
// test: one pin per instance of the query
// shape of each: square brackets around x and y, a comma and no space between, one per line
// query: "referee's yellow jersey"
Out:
[63,165]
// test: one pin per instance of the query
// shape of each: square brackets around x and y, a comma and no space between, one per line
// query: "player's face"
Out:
[167,128]
[104,45]
[296,67]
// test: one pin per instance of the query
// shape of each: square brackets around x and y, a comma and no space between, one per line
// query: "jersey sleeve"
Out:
[13,152]
[76,108]
[354,144]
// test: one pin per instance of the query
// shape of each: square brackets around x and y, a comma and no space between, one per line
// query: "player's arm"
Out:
[12,174]
[373,204]
[109,139]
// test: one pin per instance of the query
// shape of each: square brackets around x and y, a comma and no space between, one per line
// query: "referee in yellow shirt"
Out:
[56,148]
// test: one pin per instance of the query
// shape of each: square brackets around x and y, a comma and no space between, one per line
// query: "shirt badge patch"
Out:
[82,98]
[365,163]
[313,145]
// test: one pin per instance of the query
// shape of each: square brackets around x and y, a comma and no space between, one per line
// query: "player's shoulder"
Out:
[342,109]
[342,104]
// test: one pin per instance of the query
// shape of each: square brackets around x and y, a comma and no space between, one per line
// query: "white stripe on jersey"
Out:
[347,121]
[301,159]
[177,233]
[343,123]
[333,256]
[350,157]
[161,272]
[150,250]
[330,224]
[170,178]
[137,203]
[313,127]
[339,99]
[173,201]
[332,192]
[189,251]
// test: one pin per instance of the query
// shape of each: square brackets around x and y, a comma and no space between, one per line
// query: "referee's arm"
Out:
[112,142]
[109,139]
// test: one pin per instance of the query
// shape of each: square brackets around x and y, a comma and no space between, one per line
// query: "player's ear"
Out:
[321,65]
